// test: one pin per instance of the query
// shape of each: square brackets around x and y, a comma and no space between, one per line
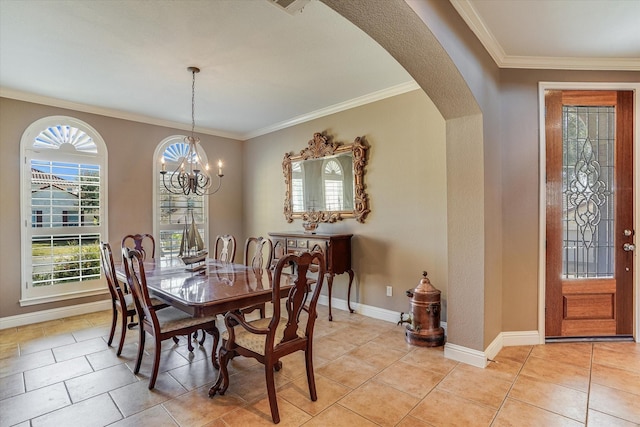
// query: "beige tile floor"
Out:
[62,373]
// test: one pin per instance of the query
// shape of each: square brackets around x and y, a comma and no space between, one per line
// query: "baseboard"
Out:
[367,310]
[465,355]
[513,338]
[480,358]
[494,348]
[53,314]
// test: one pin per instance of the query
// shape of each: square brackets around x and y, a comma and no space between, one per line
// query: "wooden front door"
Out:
[589,213]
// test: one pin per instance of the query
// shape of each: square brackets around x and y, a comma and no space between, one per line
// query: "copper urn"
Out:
[423,327]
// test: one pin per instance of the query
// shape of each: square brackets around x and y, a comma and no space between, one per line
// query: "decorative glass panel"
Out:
[176,152]
[55,137]
[588,191]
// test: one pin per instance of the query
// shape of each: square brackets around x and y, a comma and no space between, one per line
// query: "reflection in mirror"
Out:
[325,181]
[322,184]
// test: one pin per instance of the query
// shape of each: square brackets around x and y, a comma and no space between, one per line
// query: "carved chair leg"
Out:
[271,391]
[204,336]
[140,350]
[215,333]
[176,340]
[123,333]
[311,380]
[222,383]
[113,324]
[156,362]
[189,343]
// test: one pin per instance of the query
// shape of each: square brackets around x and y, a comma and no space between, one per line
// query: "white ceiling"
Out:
[262,68]
[557,34]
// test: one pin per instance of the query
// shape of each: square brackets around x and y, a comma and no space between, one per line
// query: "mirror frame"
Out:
[320,147]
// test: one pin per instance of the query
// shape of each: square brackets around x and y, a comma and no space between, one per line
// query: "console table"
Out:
[336,249]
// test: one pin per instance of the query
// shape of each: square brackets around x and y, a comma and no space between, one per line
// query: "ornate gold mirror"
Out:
[325,182]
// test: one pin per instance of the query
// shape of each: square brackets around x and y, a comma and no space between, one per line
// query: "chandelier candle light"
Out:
[189,177]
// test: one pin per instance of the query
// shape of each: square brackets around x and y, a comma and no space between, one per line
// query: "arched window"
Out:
[172,210]
[63,209]
[333,179]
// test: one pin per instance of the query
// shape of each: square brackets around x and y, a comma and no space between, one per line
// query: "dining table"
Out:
[219,287]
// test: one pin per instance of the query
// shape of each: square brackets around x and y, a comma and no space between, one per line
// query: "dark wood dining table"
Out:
[219,288]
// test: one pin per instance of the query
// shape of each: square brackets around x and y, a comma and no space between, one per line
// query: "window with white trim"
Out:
[63,210]
[172,210]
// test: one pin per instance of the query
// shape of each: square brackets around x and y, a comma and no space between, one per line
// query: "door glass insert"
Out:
[588,147]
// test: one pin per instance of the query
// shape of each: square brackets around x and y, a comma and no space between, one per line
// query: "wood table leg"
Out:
[349,291]
[330,284]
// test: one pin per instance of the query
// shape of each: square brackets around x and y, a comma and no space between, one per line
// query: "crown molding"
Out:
[109,112]
[336,108]
[471,17]
[555,63]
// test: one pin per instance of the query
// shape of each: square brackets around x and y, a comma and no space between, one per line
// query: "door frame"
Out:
[542,86]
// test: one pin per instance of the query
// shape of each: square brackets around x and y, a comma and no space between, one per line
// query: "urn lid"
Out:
[425,286]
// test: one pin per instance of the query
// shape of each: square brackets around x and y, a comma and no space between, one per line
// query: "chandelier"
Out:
[191,176]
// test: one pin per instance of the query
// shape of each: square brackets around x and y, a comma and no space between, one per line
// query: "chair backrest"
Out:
[143,243]
[137,281]
[106,258]
[225,248]
[297,300]
[279,250]
[258,252]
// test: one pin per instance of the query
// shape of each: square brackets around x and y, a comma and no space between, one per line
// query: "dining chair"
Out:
[121,300]
[224,248]
[258,252]
[161,324]
[268,340]
[143,243]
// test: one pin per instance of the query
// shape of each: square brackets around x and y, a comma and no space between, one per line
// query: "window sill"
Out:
[24,302]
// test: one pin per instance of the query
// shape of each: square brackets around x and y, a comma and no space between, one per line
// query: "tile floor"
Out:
[61,373]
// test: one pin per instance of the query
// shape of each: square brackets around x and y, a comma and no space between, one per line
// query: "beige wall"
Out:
[520,136]
[405,233]
[130,148]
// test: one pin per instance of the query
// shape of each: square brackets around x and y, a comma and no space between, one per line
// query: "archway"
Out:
[400,31]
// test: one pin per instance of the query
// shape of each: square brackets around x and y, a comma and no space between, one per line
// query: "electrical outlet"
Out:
[389,291]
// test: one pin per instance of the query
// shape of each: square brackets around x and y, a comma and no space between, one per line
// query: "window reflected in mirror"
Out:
[325,181]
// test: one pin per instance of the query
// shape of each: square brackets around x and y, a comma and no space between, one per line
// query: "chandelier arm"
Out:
[173,189]
[211,192]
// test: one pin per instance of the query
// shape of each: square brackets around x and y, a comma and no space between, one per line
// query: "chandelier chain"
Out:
[193,101]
